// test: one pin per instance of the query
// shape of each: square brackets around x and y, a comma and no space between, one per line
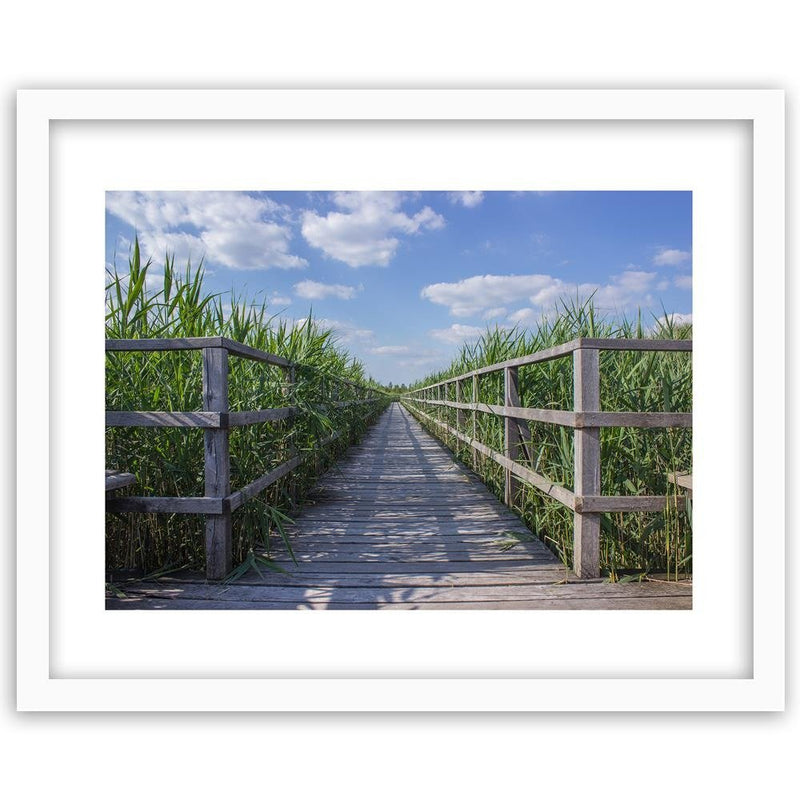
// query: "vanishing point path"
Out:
[398,524]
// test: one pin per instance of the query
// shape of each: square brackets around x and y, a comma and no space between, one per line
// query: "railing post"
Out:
[586,541]
[461,417]
[217,463]
[290,393]
[512,438]
[475,389]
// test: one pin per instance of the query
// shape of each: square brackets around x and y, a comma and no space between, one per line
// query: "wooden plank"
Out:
[611,503]
[163,419]
[240,497]
[165,505]
[543,574]
[115,479]
[631,419]
[245,351]
[217,464]
[145,345]
[683,479]
[408,594]
[511,437]
[553,416]
[672,603]
[236,418]
[586,534]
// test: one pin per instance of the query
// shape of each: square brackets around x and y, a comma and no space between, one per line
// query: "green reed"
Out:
[169,461]
[633,461]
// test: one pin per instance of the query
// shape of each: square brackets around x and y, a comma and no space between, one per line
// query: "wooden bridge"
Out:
[397,522]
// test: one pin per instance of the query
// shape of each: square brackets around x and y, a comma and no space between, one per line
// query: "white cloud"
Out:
[466,199]
[390,350]
[478,294]
[229,228]
[361,234]
[456,334]
[684,281]
[346,332]
[313,290]
[495,313]
[280,300]
[670,257]
[674,319]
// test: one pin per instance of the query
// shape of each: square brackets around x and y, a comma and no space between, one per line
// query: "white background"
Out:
[612,44]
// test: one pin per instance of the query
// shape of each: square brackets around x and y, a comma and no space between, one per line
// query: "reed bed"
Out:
[633,461]
[169,462]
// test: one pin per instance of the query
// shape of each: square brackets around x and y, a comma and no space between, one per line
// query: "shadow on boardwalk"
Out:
[397,523]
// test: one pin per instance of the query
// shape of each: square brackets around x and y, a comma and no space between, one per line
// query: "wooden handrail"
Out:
[216,420]
[586,419]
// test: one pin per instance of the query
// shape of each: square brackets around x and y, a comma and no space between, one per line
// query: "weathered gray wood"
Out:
[406,594]
[611,503]
[633,419]
[236,418]
[461,417]
[475,398]
[217,464]
[166,505]
[245,351]
[511,435]
[566,418]
[647,603]
[240,497]
[586,542]
[683,479]
[162,419]
[561,350]
[116,479]
[145,345]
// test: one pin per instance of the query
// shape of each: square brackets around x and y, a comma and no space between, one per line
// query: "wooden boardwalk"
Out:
[397,523]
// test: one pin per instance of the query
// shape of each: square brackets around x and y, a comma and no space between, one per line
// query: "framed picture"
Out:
[725,147]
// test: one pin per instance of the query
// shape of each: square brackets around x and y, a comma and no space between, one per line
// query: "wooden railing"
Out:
[216,420]
[586,501]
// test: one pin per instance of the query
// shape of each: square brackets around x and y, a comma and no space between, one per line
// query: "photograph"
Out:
[398,400]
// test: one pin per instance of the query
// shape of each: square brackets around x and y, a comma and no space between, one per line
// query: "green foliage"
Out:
[169,462]
[633,461]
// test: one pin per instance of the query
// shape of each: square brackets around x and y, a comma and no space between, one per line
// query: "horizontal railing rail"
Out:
[216,421]
[586,419]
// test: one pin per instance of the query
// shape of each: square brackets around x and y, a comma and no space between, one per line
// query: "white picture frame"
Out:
[66,643]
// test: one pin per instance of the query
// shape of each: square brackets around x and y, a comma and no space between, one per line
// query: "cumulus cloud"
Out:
[456,334]
[466,199]
[314,290]
[347,332]
[684,281]
[670,257]
[364,231]
[233,229]
[481,293]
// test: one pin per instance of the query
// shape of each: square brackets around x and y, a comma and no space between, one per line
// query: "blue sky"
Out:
[405,277]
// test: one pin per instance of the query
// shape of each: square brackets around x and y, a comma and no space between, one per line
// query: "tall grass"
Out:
[169,461]
[633,461]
